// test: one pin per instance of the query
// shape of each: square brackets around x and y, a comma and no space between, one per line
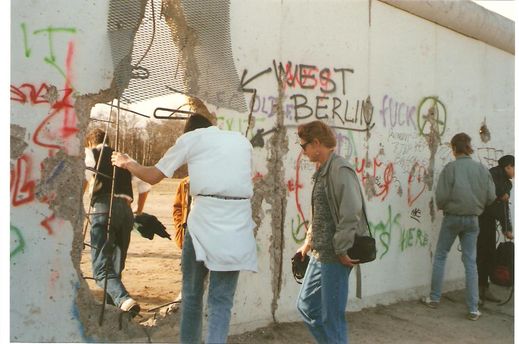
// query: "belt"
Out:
[224,197]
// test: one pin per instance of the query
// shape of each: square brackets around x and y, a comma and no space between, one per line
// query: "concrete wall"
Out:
[347,54]
[406,65]
[60,64]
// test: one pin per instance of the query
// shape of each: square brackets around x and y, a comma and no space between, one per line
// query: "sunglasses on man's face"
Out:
[303,145]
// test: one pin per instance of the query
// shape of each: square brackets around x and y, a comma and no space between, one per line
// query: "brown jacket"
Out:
[181,210]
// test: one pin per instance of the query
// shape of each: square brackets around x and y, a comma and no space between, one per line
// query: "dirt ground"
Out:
[153,278]
[408,323]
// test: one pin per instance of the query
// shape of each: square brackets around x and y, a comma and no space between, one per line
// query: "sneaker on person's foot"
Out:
[429,303]
[474,315]
[131,306]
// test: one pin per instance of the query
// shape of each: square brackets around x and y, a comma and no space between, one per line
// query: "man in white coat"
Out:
[219,239]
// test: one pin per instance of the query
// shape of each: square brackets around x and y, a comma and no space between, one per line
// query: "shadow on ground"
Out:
[408,322]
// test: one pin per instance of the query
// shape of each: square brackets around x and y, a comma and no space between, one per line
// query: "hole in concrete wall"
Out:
[152,274]
[484,133]
[153,53]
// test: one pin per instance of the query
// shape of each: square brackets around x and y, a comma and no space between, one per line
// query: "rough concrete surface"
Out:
[408,322]
[18,143]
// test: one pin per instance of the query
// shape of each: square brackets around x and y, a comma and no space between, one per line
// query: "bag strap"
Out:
[358,275]
[363,203]
[364,212]
[358,278]
[358,272]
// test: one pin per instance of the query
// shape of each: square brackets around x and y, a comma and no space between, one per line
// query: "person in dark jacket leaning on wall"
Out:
[464,189]
[499,211]
[121,220]
[337,217]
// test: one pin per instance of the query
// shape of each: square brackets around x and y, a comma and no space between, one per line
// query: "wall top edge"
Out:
[465,17]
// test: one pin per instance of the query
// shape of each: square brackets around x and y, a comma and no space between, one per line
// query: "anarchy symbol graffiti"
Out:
[431,116]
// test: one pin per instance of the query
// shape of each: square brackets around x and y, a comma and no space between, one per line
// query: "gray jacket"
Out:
[345,199]
[465,187]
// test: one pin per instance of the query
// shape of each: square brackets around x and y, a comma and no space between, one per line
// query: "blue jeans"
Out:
[467,228]
[121,225]
[322,301]
[222,285]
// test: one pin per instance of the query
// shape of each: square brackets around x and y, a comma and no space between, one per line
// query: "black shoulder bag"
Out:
[364,248]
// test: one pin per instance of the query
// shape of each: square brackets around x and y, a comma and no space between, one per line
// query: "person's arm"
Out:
[175,157]
[178,215]
[443,188]
[89,162]
[141,200]
[507,231]
[499,180]
[307,245]
[491,195]
[143,189]
[177,207]
[501,211]
[348,193]
[504,220]
[149,174]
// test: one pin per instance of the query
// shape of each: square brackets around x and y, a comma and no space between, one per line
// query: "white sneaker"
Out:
[130,305]
[474,315]
[429,303]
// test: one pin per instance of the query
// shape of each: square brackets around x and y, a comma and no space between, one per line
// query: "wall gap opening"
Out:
[152,274]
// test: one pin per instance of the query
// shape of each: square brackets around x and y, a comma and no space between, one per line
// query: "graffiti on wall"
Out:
[53,36]
[392,225]
[416,183]
[377,179]
[431,117]
[61,116]
[22,181]
[17,241]
[330,104]
[414,131]
[383,179]
[55,128]
[298,229]
[397,114]
[489,155]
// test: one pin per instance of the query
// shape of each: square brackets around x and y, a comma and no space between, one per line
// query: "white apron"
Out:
[222,233]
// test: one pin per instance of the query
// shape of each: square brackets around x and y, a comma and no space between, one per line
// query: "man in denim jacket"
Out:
[464,189]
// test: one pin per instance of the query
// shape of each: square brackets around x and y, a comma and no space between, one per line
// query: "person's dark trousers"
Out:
[486,251]
[122,224]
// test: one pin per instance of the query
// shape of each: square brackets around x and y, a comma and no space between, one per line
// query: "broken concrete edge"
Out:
[272,189]
[278,200]
[274,180]
[88,309]
[117,325]
[17,142]
[59,172]
[184,37]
